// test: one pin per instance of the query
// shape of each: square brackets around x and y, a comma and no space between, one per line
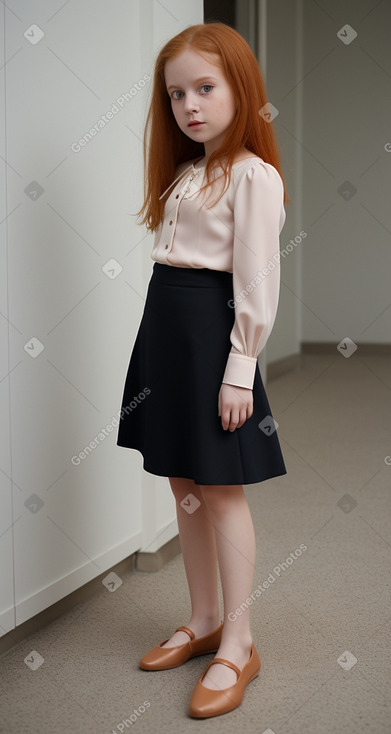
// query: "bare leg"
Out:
[197,539]
[235,542]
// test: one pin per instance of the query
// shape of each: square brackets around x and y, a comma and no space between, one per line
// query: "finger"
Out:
[242,418]
[225,418]
[234,419]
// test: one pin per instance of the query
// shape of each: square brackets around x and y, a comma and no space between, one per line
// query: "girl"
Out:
[203,418]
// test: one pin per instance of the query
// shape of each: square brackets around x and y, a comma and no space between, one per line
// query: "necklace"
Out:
[193,175]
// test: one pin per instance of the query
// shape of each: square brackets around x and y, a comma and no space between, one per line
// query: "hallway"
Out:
[320,624]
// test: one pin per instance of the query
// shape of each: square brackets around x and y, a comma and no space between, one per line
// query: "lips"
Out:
[195,122]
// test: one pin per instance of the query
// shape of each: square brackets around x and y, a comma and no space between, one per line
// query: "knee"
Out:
[181,487]
[220,499]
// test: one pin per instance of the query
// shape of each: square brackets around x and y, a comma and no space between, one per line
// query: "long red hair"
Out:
[166,146]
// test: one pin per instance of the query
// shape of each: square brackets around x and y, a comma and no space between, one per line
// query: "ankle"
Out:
[244,642]
[204,624]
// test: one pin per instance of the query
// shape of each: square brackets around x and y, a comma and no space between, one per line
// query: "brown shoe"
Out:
[163,658]
[207,702]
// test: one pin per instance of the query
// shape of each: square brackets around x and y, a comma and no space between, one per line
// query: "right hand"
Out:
[235,406]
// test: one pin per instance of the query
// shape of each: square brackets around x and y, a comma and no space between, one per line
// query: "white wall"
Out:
[346,275]
[333,127]
[64,216]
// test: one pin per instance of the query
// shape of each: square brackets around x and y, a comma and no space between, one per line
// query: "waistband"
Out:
[202,277]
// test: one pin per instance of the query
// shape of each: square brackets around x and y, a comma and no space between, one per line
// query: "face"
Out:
[199,90]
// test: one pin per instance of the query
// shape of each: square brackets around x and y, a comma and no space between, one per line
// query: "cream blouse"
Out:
[239,234]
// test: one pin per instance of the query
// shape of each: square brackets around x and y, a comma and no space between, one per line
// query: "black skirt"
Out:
[169,409]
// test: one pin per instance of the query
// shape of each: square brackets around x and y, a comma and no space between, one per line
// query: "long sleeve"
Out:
[259,216]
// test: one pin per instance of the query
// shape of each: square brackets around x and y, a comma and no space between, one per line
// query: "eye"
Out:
[177,91]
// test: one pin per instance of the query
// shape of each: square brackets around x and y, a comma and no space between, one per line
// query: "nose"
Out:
[191,102]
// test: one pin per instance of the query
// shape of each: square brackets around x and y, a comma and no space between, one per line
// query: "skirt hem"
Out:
[185,474]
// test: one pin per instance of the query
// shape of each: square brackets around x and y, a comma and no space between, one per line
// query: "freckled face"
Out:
[199,90]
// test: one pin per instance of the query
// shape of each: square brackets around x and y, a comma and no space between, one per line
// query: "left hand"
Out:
[235,406]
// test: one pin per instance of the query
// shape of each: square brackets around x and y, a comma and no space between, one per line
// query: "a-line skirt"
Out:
[169,410]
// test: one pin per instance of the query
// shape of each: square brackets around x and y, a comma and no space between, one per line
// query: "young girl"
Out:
[203,418]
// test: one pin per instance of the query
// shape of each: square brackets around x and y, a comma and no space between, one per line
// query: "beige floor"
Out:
[322,628]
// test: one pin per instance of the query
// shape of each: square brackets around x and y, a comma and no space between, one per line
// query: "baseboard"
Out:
[294,361]
[135,562]
[378,350]
[282,366]
[154,561]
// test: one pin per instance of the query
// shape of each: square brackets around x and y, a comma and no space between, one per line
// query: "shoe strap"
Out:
[229,663]
[186,629]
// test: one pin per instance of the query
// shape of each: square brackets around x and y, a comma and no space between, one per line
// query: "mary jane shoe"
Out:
[207,702]
[164,658]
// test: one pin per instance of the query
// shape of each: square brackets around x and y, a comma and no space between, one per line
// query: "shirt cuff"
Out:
[240,370]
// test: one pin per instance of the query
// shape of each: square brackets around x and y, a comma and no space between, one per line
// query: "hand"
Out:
[235,405]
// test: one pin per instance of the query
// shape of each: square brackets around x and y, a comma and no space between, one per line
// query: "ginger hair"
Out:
[166,146]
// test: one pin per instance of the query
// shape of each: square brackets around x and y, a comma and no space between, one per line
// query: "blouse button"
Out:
[170,221]
[177,196]
[166,247]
